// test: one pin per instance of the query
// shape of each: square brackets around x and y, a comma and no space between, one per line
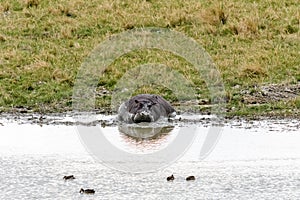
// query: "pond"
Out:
[252,159]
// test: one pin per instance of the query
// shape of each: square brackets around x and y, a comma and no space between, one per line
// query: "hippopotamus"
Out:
[145,108]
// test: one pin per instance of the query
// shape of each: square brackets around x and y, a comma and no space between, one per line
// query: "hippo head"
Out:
[143,111]
[145,108]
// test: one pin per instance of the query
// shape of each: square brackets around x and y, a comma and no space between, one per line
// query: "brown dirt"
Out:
[270,93]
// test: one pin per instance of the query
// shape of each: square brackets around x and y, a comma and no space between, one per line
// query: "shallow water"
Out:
[252,160]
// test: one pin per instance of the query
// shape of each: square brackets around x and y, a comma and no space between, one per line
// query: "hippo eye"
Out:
[149,106]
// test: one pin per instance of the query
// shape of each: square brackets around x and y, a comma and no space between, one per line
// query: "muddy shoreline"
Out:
[185,119]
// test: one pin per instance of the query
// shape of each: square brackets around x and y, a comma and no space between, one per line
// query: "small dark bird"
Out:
[190,178]
[170,178]
[87,191]
[71,177]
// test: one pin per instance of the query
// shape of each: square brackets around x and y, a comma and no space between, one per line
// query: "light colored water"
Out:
[252,160]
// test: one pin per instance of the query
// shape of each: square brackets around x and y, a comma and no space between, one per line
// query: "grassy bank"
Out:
[43,43]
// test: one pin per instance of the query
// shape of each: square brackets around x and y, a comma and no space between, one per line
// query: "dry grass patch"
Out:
[252,71]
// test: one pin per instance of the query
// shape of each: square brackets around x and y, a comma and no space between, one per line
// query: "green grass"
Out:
[281,108]
[43,43]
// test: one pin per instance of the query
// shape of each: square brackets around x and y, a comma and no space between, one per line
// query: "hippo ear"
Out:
[155,96]
[136,101]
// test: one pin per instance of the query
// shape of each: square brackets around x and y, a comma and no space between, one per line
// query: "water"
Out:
[252,160]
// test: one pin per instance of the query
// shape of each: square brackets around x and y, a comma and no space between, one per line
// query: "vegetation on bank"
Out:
[43,44]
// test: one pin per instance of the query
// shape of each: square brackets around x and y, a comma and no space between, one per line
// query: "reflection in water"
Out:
[145,131]
[145,137]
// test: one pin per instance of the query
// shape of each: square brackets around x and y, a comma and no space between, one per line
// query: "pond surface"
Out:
[252,160]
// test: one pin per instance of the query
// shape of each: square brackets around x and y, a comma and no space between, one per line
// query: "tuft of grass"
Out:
[215,16]
[32,3]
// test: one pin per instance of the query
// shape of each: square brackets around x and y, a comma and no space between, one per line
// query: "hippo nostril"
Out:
[144,113]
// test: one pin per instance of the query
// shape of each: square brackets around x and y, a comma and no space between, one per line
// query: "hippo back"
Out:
[164,106]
